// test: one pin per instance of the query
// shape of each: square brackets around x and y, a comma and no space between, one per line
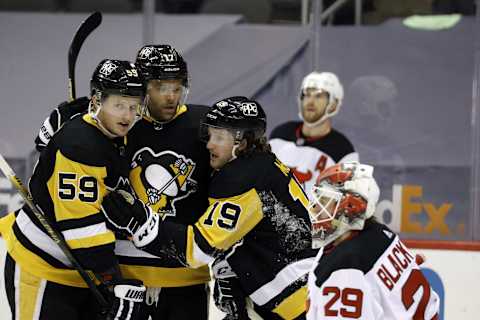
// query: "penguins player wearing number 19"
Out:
[256,230]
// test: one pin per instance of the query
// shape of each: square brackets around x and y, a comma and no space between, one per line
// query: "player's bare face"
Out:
[314,104]
[118,113]
[220,145]
[163,98]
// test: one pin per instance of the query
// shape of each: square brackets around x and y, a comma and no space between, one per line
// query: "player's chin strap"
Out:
[322,119]
[145,112]
[234,152]
[145,109]
[325,116]
[94,111]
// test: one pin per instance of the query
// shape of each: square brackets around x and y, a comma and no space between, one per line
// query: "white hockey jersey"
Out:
[307,157]
[370,276]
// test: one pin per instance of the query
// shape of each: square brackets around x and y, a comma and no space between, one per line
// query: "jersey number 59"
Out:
[71,186]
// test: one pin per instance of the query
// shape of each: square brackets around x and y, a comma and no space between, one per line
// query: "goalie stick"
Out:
[85,28]
[54,234]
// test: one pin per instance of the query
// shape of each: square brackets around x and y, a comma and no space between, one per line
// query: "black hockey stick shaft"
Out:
[85,28]
[54,234]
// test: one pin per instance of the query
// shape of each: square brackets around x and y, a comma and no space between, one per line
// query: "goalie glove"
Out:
[57,118]
[128,215]
[127,296]
[227,292]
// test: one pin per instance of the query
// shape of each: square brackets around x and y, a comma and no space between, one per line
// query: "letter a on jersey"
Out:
[161,179]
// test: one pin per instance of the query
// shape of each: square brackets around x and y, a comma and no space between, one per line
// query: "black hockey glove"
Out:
[128,215]
[57,118]
[127,296]
[227,292]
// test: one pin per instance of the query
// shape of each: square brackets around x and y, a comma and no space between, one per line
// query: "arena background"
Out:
[411,106]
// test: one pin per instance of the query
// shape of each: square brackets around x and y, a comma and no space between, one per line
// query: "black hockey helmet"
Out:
[117,77]
[162,62]
[242,116]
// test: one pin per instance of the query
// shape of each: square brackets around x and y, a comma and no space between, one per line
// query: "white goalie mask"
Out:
[344,196]
[322,82]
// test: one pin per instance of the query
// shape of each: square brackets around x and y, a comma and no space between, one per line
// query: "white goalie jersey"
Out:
[370,276]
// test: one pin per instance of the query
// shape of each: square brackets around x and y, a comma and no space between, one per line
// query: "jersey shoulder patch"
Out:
[360,253]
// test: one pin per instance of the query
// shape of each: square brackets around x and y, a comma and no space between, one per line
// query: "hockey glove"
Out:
[127,214]
[57,118]
[227,292]
[127,296]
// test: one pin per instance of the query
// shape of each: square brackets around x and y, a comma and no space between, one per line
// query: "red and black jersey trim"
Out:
[335,144]
[360,253]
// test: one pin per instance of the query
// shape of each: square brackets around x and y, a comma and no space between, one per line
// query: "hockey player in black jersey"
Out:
[311,145]
[169,170]
[363,270]
[256,230]
[82,163]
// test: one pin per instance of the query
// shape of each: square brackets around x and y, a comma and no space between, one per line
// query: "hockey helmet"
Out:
[162,62]
[344,196]
[117,77]
[239,115]
[322,82]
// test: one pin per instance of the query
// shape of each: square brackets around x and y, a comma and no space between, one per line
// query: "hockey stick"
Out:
[54,234]
[85,28]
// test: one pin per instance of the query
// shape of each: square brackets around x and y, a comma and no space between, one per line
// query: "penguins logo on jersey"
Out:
[161,179]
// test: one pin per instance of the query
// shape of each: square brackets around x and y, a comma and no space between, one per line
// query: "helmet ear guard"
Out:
[365,185]
[355,192]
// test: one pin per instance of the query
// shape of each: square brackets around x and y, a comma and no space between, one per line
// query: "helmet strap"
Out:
[94,111]
[326,115]
[145,110]
[234,151]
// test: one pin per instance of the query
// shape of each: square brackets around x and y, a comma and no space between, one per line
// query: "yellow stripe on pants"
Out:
[29,289]
[294,305]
